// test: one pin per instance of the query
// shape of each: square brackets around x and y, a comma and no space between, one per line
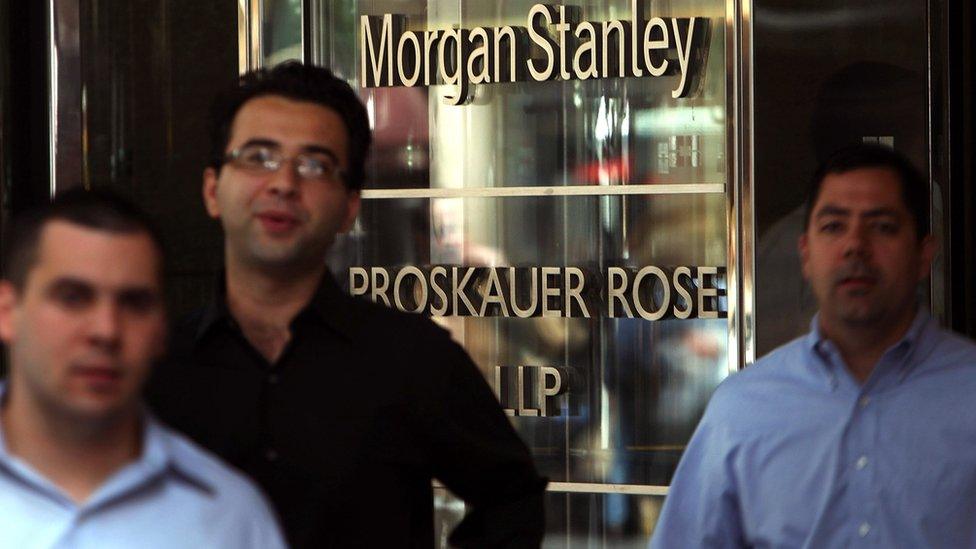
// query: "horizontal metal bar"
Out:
[574,190]
[596,488]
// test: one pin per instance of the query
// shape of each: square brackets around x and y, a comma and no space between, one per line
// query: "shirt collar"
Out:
[161,454]
[326,306]
[914,343]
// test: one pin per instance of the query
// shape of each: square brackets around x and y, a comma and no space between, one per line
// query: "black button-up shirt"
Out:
[346,430]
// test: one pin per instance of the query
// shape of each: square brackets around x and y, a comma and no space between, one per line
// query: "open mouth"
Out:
[277,222]
[857,282]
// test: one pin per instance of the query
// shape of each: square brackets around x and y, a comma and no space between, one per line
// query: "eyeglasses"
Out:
[265,159]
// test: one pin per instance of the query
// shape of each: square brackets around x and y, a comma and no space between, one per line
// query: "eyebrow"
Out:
[837,211]
[70,282]
[318,149]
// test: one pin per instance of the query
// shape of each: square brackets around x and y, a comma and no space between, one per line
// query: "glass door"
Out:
[590,211]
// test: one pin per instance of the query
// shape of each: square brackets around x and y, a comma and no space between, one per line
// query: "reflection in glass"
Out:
[637,387]
[863,77]
[574,519]
[610,131]
[281,36]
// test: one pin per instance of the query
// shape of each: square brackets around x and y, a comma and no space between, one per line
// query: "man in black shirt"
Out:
[344,411]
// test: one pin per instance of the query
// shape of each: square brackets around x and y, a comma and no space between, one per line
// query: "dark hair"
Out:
[98,209]
[302,82]
[914,186]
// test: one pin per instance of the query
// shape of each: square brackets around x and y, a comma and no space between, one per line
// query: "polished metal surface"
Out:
[250,22]
[314,43]
[939,110]
[741,205]
[497,192]
[593,488]
[65,100]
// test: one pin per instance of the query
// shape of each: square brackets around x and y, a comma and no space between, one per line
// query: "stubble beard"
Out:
[294,257]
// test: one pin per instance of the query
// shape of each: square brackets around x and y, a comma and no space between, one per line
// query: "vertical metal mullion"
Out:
[313,17]
[52,81]
[740,199]
[250,19]
[64,94]
[939,154]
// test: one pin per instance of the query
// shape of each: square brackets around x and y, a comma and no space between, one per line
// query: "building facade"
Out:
[600,199]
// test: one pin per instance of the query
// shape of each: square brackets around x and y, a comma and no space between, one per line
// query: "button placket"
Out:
[860,456]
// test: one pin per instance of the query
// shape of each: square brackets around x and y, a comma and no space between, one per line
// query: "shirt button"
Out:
[862,462]
[865,400]
[273,379]
[864,529]
[271,454]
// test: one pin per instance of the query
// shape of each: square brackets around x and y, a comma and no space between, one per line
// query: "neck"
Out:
[270,297]
[265,302]
[77,456]
[862,344]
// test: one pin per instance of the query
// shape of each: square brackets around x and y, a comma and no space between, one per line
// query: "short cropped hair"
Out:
[97,209]
[914,186]
[301,82]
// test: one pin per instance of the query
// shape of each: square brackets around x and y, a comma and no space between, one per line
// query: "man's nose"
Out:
[856,243]
[105,326]
[284,181]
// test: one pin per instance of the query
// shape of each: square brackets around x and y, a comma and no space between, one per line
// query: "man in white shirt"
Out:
[81,463]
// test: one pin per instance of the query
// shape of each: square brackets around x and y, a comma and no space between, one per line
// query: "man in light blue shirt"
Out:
[81,464]
[863,432]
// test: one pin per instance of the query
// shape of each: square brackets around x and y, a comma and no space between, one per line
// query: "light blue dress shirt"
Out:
[794,452]
[175,495]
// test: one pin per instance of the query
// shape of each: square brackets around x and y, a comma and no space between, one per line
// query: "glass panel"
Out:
[594,521]
[150,70]
[631,390]
[605,131]
[635,387]
[281,33]
[857,74]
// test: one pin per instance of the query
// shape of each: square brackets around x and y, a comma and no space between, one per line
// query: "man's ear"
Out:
[8,308]
[927,250]
[210,180]
[802,246]
[353,204]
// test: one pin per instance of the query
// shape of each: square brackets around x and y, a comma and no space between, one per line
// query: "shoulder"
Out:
[368,318]
[956,348]
[950,360]
[229,488]
[781,367]
[393,337]
[232,512]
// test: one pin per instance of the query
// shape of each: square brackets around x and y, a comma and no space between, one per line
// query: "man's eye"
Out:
[139,302]
[257,156]
[73,298]
[831,227]
[886,227]
[316,166]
